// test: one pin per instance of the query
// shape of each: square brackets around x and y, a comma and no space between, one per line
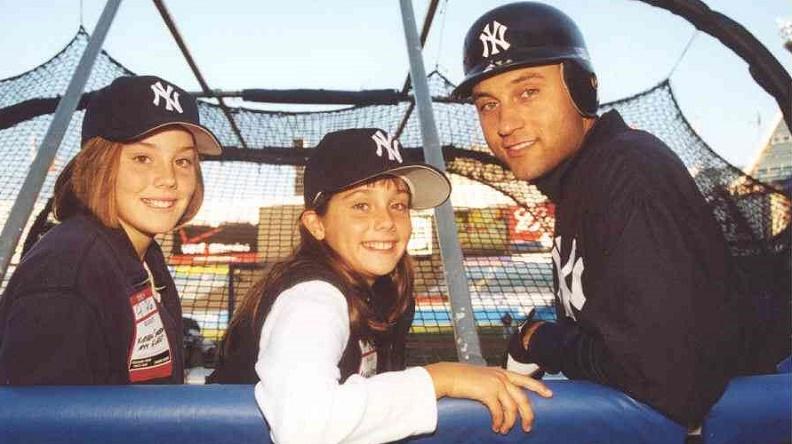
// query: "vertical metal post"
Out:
[467,340]
[231,293]
[23,205]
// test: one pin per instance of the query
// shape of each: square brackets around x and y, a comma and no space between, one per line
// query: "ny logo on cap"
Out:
[170,96]
[492,39]
[388,144]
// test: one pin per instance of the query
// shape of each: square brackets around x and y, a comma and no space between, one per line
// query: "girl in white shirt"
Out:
[327,326]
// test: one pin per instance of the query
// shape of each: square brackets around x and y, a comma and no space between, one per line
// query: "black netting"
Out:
[253,198]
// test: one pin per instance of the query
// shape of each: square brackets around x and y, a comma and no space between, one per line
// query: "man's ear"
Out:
[313,223]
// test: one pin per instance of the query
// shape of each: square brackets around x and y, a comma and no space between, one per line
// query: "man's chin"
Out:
[526,175]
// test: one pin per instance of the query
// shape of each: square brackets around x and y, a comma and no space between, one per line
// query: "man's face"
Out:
[529,120]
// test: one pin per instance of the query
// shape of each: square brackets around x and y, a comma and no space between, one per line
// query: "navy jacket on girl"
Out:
[81,309]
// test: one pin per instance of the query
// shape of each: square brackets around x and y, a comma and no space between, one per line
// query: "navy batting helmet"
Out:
[523,34]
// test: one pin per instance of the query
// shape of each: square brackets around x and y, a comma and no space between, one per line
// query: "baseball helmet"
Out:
[524,34]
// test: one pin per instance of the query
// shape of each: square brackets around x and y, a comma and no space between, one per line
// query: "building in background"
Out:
[773,162]
[785,28]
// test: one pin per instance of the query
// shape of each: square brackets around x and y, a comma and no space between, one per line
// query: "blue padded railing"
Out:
[578,412]
[754,409]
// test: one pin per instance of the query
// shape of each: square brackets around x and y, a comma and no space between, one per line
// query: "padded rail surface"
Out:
[755,409]
[578,412]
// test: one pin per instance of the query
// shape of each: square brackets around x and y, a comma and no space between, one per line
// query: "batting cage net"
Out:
[505,226]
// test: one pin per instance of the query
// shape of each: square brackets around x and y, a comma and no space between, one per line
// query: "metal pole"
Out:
[165,14]
[231,293]
[23,205]
[467,340]
[427,24]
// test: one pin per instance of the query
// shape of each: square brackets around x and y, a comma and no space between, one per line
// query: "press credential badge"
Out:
[150,354]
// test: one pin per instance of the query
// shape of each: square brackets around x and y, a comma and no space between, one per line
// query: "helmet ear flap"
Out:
[582,87]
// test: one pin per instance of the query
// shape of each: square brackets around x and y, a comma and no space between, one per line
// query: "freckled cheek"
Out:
[188,181]
[405,228]
[354,231]
[132,184]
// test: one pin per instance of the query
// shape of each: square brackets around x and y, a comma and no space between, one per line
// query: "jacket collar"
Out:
[125,252]
[551,184]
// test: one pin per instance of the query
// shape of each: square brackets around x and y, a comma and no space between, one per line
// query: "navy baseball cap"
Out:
[350,157]
[134,106]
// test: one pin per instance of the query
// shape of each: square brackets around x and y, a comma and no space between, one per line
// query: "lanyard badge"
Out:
[149,353]
[368,359]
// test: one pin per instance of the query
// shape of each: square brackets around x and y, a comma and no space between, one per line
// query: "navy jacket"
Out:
[643,277]
[79,309]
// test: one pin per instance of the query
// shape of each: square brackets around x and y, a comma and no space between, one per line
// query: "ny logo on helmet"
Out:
[492,39]
[388,144]
[170,96]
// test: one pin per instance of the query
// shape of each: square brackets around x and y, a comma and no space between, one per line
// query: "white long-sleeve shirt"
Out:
[302,341]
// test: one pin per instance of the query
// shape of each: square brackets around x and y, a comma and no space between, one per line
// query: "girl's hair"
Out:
[87,184]
[312,254]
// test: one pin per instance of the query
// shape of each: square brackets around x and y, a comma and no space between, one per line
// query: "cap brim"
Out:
[464,90]
[429,187]
[205,141]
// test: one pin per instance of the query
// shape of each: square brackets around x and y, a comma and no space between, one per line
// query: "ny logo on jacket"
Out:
[569,288]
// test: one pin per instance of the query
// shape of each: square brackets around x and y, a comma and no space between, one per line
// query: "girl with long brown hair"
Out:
[323,335]
[92,301]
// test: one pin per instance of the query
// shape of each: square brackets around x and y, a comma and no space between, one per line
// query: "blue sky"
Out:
[355,44]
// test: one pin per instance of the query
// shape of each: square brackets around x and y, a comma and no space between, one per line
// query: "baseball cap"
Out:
[133,106]
[346,158]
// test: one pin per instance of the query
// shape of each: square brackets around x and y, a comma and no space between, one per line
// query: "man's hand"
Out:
[527,333]
[519,345]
